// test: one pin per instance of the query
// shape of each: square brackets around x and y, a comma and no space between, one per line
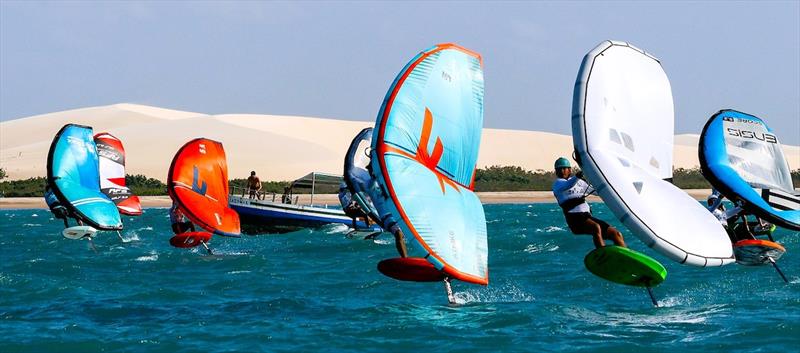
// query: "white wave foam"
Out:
[659,316]
[31,225]
[147,258]
[537,248]
[237,272]
[508,293]
[146,228]
[337,228]
[152,257]
[669,302]
[549,229]
[221,252]
[34,215]
[133,236]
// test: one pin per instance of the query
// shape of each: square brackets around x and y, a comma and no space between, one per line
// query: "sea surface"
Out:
[317,290]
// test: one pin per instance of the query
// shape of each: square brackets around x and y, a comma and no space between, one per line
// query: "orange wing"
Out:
[198,183]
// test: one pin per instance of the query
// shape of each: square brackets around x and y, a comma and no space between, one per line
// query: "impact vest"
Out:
[571,194]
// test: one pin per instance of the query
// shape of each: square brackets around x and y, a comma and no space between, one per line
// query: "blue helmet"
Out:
[562,163]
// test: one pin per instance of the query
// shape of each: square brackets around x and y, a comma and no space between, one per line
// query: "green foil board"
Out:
[625,266]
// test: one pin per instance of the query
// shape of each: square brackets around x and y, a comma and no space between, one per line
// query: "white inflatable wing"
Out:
[622,128]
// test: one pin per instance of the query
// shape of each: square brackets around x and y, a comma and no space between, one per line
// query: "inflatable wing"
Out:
[74,178]
[112,174]
[743,159]
[424,152]
[622,128]
[198,183]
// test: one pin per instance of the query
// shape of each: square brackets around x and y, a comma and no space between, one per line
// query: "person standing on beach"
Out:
[254,185]
[570,192]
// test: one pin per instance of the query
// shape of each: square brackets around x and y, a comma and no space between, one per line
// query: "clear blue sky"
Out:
[336,59]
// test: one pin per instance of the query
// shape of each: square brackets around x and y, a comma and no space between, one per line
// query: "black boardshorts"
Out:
[578,225]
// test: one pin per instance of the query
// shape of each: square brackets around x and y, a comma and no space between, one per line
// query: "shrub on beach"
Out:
[494,178]
[23,188]
[512,178]
[143,186]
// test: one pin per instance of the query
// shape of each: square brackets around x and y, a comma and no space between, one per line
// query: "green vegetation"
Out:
[796,178]
[34,187]
[689,179]
[276,187]
[23,188]
[266,186]
[3,174]
[507,178]
[144,186]
[497,178]
[494,178]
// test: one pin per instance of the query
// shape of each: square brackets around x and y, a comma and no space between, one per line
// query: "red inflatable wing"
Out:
[198,183]
[112,174]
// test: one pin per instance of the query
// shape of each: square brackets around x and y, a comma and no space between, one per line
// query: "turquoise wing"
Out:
[426,146]
[73,175]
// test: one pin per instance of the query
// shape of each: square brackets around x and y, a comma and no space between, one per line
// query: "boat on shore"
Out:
[274,213]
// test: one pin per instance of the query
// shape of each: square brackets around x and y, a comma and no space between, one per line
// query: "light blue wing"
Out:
[73,174]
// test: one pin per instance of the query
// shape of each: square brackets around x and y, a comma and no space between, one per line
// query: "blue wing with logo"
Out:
[424,156]
[73,175]
[742,158]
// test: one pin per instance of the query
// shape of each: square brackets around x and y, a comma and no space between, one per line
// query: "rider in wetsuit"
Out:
[350,205]
[735,220]
[59,211]
[387,221]
[570,192]
[180,223]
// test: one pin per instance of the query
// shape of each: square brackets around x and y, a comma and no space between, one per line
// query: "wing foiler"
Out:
[198,183]
[742,158]
[424,153]
[112,174]
[622,128]
[74,179]
[356,175]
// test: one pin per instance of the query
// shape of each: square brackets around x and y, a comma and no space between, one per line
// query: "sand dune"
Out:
[277,147]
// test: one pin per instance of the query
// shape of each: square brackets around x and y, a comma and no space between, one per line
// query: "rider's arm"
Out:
[561,184]
[733,212]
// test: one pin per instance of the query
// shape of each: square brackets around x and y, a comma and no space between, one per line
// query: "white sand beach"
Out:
[276,147]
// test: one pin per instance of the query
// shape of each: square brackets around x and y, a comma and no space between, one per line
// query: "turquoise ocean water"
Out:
[320,291]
